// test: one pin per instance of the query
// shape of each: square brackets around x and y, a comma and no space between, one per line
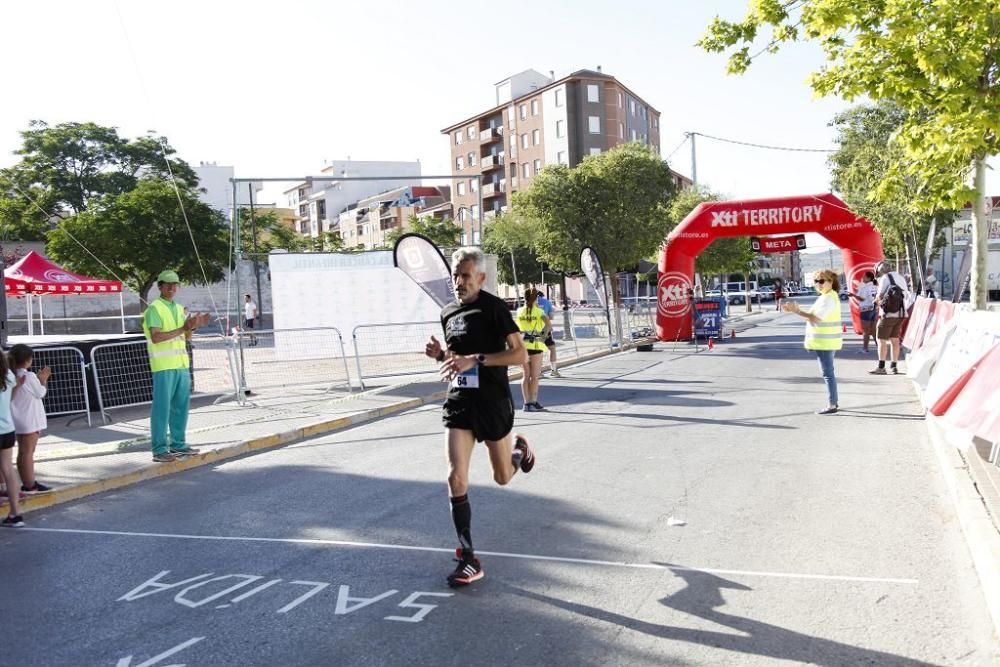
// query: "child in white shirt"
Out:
[28,412]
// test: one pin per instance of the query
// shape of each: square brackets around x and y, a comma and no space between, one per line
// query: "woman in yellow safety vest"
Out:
[535,327]
[823,330]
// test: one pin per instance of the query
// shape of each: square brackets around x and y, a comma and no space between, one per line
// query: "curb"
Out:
[326,426]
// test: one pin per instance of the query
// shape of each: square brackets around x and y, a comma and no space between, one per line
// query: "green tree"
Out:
[77,163]
[141,232]
[511,238]
[616,202]
[271,234]
[867,149]
[938,61]
[444,233]
[20,219]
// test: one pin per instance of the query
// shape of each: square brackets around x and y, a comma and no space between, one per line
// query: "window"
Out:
[463,241]
[621,130]
[524,140]
[526,170]
[534,107]
[633,135]
[621,100]
[538,166]
[513,146]
[461,188]
[472,132]
[459,163]
[593,93]
[560,128]
[559,97]
[595,151]
[536,137]
[631,106]
[475,237]
[524,111]
[463,214]
[475,212]
[656,122]
[561,157]
[594,124]
[458,138]
[474,184]
[510,116]
[472,159]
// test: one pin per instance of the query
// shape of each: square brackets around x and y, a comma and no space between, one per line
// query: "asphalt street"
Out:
[685,509]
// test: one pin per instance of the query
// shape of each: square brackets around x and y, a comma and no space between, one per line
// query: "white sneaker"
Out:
[554,373]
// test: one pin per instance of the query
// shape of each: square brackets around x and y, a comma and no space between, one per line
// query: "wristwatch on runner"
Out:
[481,359]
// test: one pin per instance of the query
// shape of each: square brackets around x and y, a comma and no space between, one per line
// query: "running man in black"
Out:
[481,341]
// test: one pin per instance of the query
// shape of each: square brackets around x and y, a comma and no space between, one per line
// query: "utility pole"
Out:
[694,159]
[256,258]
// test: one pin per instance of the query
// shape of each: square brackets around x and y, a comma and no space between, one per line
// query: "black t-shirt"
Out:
[479,327]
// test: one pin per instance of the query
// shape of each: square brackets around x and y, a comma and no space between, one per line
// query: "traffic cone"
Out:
[711,344]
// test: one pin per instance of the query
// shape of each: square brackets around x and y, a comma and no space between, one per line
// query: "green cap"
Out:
[168,277]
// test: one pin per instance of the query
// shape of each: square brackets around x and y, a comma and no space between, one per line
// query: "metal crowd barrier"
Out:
[122,376]
[67,387]
[285,357]
[391,349]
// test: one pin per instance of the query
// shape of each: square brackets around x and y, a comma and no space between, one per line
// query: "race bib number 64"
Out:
[467,380]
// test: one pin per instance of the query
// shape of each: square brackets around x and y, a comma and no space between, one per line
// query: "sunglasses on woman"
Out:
[821,281]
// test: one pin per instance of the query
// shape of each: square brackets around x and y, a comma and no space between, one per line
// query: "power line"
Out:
[765,146]
[679,146]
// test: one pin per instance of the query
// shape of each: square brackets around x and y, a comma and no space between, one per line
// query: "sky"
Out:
[276,88]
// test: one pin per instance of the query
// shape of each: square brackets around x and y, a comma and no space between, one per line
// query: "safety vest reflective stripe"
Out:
[169,354]
[827,334]
[532,325]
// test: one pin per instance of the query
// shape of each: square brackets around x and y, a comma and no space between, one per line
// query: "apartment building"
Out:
[367,222]
[539,120]
[318,203]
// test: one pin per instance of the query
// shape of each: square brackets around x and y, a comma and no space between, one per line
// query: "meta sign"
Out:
[707,318]
[778,243]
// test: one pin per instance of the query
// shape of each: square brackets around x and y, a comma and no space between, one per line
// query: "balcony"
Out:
[491,162]
[491,134]
[493,189]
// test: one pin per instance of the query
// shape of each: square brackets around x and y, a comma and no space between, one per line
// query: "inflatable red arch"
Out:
[824,214]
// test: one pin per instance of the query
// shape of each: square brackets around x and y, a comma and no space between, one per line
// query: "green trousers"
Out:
[171,402]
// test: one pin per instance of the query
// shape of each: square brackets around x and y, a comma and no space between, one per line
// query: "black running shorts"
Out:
[7,440]
[488,420]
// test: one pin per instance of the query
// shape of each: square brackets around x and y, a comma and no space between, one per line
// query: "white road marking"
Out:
[127,660]
[498,554]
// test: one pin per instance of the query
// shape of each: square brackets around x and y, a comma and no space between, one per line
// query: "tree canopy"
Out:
[444,233]
[938,61]
[616,202]
[511,237]
[271,234]
[141,232]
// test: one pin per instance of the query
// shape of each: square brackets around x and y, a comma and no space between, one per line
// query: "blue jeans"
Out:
[826,364]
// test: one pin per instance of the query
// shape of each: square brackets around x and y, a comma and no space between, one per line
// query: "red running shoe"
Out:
[527,456]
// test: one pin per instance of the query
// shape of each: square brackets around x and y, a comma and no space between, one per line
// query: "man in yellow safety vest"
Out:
[166,326]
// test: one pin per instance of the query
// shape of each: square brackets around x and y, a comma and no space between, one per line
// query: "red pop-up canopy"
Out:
[33,274]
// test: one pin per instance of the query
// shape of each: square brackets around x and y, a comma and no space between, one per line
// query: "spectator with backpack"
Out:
[892,297]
